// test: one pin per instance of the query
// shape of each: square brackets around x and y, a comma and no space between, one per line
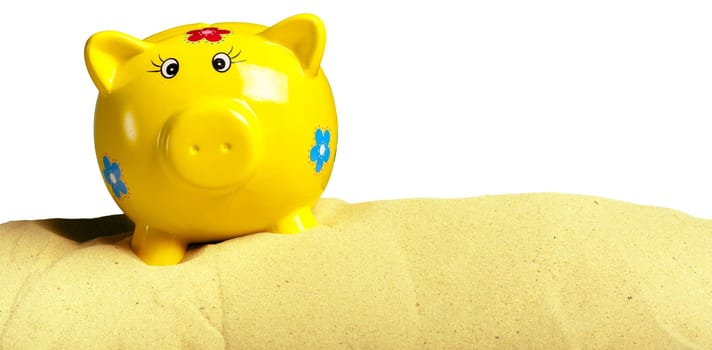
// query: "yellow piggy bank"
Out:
[208,132]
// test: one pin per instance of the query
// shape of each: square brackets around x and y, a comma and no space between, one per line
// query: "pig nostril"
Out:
[226,147]
[194,149]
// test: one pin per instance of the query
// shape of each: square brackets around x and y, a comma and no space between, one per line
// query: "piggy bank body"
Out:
[208,132]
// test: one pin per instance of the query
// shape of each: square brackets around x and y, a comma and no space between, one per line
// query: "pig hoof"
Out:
[296,222]
[157,248]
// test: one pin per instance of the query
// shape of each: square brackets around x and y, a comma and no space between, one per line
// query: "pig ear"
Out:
[105,52]
[303,34]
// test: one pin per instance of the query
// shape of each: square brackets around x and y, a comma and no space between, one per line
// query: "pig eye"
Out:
[169,68]
[221,62]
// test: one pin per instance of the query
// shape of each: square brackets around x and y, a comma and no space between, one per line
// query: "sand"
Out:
[540,271]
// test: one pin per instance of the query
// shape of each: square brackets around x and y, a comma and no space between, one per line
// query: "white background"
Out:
[435,99]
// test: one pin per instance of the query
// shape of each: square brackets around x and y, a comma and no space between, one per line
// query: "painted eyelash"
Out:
[157,65]
[234,57]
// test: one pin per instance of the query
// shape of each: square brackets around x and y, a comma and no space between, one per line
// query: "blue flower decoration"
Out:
[112,176]
[320,153]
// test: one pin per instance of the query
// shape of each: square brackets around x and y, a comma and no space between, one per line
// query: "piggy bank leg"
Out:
[157,248]
[297,221]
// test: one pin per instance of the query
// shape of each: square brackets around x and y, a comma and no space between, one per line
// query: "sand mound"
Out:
[521,271]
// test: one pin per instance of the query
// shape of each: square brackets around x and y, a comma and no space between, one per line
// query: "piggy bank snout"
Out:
[213,146]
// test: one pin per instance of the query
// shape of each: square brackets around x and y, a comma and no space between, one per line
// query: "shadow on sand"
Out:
[82,230]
